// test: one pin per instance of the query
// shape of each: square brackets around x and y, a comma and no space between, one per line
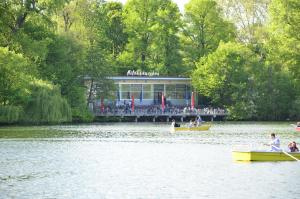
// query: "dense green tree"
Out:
[64,64]
[139,17]
[227,76]
[15,72]
[48,49]
[165,49]
[15,15]
[284,43]
[275,93]
[114,27]
[46,105]
[203,29]
[152,27]
[283,46]
[10,114]
[249,17]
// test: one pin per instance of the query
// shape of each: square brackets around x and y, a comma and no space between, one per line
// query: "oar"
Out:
[286,153]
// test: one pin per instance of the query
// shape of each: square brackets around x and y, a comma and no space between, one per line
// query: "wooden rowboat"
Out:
[263,156]
[196,128]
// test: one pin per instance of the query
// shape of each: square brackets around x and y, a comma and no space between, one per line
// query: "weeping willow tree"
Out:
[46,105]
[10,114]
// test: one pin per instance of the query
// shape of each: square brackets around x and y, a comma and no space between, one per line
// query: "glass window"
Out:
[125,87]
[136,87]
[148,95]
[147,88]
[125,95]
[158,88]
[147,91]
[180,91]
[188,92]
[171,91]
[136,95]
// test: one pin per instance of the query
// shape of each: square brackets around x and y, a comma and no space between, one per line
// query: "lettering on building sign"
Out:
[141,73]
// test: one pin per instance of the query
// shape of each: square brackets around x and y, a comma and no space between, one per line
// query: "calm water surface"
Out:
[138,160]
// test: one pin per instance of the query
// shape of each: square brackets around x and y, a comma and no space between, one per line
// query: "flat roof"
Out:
[149,78]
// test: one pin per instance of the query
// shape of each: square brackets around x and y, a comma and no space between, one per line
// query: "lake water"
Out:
[142,160]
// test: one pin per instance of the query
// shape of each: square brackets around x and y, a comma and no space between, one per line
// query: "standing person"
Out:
[275,143]
[173,123]
[293,147]
[199,121]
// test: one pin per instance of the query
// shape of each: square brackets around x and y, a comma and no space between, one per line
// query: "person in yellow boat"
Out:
[199,121]
[275,143]
[293,147]
[174,124]
[191,124]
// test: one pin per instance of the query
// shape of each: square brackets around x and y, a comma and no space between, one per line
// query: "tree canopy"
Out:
[241,55]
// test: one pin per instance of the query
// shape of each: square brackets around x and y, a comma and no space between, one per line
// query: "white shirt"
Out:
[173,124]
[275,144]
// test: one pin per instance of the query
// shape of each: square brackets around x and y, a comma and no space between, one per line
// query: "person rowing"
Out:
[174,124]
[275,143]
[191,124]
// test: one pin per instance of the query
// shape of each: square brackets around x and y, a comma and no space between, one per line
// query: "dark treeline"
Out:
[242,54]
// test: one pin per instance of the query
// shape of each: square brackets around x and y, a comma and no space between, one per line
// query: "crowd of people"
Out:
[157,109]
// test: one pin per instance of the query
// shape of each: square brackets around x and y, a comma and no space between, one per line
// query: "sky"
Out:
[180,3]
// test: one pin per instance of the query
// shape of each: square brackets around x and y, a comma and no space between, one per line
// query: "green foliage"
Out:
[49,48]
[64,64]
[153,44]
[249,17]
[295,108]
[227,76]
[284,43]
[203,29]
[164,51]
[81,115]
[275,94]
[10,114]
[14,76]
[46,105]
[113,27]
[283,59]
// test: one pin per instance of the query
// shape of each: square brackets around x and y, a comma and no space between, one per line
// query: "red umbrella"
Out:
[102,105]
[162,102]
[192,101]
[132,103]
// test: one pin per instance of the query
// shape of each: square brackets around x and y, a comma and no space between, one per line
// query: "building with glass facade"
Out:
[149,90]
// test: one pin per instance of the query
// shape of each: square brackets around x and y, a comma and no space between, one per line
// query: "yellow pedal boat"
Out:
[263,156]
[196,128]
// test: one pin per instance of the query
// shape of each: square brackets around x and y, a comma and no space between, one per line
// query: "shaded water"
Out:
[138,160]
